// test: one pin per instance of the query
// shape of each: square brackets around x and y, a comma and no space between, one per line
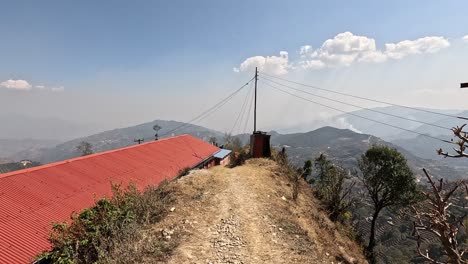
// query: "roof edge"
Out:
[8,174]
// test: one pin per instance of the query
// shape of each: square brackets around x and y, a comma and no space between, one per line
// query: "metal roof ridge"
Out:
[8,174]
[224,151]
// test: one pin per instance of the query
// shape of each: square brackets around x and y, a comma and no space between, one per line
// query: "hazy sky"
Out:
[118,63]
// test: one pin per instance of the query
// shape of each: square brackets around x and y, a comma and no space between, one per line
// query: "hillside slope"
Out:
[113,139]
[344,147]
[9,147]
[245,215]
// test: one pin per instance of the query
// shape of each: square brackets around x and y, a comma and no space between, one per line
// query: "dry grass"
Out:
[269,227]
[115,230]
[241,215]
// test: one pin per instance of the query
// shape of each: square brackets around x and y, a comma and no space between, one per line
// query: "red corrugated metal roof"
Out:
[31,199]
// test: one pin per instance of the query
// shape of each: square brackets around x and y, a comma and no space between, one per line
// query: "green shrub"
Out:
[237,159]
[99,233]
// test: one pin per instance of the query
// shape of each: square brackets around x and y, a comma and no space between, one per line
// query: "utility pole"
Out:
[255,104]
[139,140]
[259,141]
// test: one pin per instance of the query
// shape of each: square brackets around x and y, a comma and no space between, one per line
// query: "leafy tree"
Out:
[323,165]
[389,183]
[156,128]
[213,141]
[336,193]
[85,148]
[282,157]
[232,143]
[331,188]
[299,173]
[306,169]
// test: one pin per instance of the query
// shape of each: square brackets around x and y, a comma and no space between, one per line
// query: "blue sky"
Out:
[121,51]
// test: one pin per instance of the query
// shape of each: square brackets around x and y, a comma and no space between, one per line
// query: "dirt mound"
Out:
[246,215]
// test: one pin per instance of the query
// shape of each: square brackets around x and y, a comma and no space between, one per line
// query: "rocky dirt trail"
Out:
[245,215]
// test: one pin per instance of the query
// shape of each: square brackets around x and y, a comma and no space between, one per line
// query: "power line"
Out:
[248,115]
[241,112]
[373,120]
[360,107]
[210,110]
[368,99]
[245,114]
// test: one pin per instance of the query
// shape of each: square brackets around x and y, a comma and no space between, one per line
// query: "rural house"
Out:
[31,199]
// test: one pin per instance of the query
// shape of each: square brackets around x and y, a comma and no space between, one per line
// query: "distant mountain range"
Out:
[345,144]
[13,166]
[8,147]
[116,138]
[345,147]
[419,145]
[389,133]
[342,145]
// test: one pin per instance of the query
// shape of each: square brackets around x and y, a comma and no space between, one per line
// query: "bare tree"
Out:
[85,148]
[461,143]
[433,215]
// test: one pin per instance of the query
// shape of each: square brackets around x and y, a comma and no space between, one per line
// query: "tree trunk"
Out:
[452,254]
[370,248]
[295,186]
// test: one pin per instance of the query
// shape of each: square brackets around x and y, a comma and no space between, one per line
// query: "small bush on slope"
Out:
[111,231]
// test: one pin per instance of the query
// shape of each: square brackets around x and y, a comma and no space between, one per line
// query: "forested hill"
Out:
[116,138]
[13,166]
[342,145]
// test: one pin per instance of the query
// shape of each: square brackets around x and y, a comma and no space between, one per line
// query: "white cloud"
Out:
[465,38]
[305,50]
[344,50]
[23,85]
[346,43]
[16,85]
[373,56]
[277,65]
[418,46]
[312,64]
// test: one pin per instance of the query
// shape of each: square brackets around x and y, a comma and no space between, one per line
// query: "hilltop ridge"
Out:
[246,215]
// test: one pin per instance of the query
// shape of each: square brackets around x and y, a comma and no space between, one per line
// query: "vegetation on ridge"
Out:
[113,230]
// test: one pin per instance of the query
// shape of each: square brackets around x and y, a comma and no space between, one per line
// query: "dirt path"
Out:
[244,215]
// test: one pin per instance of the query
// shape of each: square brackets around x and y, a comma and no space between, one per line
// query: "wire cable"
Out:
[210,110]
[248,115]
[368,99]
[245,115]
[360,107]
[373,120]
[242,110]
